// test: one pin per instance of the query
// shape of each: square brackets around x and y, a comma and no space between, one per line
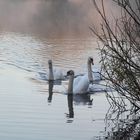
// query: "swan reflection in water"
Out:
[78,99]
[84,99]
[70,105]
[52,80]
[69,100]
[50,84]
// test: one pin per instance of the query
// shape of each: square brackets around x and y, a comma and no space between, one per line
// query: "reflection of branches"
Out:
[122,124]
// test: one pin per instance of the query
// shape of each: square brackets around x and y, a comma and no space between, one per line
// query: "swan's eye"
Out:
[91,59]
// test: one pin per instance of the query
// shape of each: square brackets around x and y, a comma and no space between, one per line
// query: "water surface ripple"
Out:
[25,111]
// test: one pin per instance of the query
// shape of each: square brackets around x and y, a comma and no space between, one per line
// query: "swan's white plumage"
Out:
[58,73]
[81,83]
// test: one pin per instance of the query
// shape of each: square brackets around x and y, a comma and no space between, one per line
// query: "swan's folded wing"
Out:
[81,85]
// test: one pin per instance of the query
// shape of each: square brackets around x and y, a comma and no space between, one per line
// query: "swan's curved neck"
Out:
[51,77]
[70,85]
[90,76]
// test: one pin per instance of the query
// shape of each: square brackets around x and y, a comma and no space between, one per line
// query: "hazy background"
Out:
[50,18]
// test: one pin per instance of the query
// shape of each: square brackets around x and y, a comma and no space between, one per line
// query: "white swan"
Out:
[80,84]
[54,73]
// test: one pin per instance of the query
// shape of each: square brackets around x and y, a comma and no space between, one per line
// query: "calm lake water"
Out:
[25,111]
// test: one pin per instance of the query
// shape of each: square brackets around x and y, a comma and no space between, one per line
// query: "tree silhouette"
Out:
[120,49]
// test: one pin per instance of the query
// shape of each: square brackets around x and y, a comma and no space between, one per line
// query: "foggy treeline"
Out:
[50,18]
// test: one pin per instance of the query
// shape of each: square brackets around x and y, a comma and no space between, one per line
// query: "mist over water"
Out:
[25,110]
[50,18]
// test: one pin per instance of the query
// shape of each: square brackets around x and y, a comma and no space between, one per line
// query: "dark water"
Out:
[25,110]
